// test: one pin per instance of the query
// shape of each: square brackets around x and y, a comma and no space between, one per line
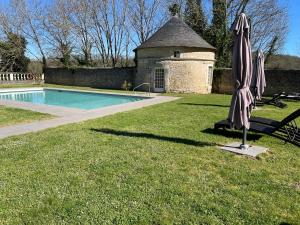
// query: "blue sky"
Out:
[292,45]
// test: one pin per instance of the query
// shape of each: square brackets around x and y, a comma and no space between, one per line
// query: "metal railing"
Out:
[140,85]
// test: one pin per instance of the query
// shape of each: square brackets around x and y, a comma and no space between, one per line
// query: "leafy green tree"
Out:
[65,50]
[194,16]
[271,50]
[12,53]
[219,35]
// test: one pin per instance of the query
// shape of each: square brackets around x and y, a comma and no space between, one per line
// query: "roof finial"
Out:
[174,9]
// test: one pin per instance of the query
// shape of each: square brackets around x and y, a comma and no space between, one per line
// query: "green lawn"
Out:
[10,116]
[156,165]
[20,85]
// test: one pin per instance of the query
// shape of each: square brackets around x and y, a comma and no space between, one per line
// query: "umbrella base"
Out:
[252,151]
[244,147]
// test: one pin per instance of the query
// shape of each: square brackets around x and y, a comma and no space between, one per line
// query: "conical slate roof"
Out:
[175,33]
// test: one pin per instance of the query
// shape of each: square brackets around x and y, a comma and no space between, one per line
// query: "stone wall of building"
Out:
[277,81]
[111,78]
[168,53]
[187,74]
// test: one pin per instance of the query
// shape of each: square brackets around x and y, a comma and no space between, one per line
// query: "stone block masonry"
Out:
[113,78]
[277,81]
[109,78]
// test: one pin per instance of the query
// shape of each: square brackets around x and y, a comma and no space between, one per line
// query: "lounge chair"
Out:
[275,100]
[285,129]
[261,120]
[291,96]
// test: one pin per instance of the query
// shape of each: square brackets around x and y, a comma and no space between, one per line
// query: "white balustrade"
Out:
[18,76]
[4,77]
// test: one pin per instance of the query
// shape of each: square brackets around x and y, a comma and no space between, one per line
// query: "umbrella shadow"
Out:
[199,104]
[232,134]
[154,137]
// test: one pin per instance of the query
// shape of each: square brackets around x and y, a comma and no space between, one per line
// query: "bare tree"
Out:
[10,21]
[58,29]
[81,20]
[126,46]
[268,20]
[109,29]
[12,41]
[5,26]
[97,30]
[269,23]
[145,17]
[31,18]
[119,14]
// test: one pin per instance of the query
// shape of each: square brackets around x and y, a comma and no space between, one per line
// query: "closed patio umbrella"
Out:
[258,77]
[241,103]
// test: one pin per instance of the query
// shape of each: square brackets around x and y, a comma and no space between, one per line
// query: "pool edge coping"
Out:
[66,115]
[58,110]
[144,95]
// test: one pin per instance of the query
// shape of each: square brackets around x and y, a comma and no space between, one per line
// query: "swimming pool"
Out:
[71,99]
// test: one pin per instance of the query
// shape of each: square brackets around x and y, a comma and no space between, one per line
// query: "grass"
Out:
[156,165]
[20,85]
[11,116]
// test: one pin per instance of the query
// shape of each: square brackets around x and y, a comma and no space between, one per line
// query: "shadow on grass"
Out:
[232,134]
[153,136]
[198,104]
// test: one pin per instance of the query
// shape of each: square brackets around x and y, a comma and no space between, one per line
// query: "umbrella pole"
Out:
[255,98]
[244,146]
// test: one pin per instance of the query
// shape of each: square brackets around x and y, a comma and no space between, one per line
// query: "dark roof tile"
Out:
[175,33]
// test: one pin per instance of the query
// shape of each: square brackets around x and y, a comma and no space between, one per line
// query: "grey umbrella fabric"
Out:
[258,79]
[241,102]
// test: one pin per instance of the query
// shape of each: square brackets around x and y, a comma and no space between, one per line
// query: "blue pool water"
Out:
[72,99]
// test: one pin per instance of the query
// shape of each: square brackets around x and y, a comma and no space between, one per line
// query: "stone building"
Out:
[175,59]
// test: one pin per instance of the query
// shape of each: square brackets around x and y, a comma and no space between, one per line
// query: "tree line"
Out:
[104,32]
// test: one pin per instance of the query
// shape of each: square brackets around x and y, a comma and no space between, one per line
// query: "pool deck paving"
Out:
[69,115]
[53,110]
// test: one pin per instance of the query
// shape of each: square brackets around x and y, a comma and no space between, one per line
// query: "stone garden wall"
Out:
[111,78]
[277,81]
